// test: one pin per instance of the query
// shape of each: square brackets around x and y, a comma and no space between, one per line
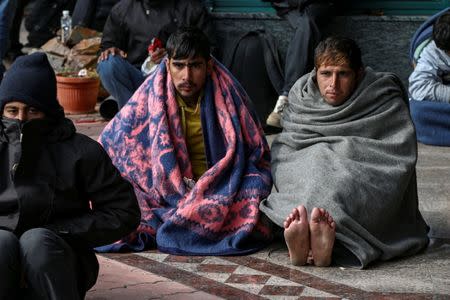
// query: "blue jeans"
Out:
[120,78]
[7,11]
[48,262]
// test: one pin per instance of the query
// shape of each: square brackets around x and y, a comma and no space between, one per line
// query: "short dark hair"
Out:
[336,50]
[187,42]
[441,32]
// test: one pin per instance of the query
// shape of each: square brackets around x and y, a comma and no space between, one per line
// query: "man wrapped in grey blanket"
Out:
[347,154]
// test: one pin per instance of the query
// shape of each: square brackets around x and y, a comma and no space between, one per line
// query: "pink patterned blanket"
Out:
[217,215]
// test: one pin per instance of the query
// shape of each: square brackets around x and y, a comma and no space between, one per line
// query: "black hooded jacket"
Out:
[55,175]
[132,24]
[51,177]
[92,13]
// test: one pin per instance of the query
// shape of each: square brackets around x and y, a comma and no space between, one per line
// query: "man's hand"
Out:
[113,51]
[157,55]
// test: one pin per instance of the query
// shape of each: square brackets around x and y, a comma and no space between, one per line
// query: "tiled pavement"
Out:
[268,274]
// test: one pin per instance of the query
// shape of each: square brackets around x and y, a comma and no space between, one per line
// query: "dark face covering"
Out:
[9,123]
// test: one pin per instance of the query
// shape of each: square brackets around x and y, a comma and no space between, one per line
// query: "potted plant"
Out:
[77,91]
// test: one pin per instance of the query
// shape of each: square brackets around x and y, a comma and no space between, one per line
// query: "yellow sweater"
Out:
[193,133]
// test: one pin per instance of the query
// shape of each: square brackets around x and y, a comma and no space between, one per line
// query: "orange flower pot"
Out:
[77,94]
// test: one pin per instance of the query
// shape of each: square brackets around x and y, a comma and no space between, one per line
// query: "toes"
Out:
[320,215]
[287,222]
[298,214]
[315,215]
[303,215]
[332,225]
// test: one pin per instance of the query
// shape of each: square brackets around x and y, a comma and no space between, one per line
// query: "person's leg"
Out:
[323,232]
[119,78]
[296,235]
[50,265]
[15,47]
[7,11]
[9,265]
[309,24]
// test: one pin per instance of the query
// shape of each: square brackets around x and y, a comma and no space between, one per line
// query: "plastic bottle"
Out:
[66,26]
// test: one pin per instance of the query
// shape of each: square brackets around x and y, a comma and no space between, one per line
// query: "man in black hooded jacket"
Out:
[129,30]
[60,195]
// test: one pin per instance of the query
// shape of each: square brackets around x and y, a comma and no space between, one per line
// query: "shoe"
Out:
[275,117]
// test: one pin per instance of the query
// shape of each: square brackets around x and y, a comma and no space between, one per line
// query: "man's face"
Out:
[21,111]
[189,76]
[336,83]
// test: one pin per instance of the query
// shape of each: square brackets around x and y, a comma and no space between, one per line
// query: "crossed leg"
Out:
[296,235]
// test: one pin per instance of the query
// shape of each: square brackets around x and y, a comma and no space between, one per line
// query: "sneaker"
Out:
[275,116]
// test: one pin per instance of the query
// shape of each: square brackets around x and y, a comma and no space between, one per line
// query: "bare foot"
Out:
[296,235]
[323,232]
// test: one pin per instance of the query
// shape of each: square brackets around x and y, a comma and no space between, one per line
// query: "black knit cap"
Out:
[31,80]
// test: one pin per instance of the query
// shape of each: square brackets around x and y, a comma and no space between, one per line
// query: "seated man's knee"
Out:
[40,247]
[110,66]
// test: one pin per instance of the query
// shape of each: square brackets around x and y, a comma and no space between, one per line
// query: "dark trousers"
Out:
[14,34]
[39,265]
[309,24]
[7,11]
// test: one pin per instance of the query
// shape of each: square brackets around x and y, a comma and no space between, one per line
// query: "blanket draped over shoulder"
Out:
[217,215]
[357,161]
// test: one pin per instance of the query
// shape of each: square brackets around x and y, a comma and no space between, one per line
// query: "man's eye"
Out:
[33,111]
[196,66]
[11,111]
[178,65]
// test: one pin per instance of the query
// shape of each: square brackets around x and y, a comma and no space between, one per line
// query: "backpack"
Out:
[254,59]
[44,20]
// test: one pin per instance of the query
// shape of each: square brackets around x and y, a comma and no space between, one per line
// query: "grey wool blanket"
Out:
[357,161]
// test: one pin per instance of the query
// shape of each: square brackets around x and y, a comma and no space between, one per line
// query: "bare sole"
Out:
[296,235]
[323,233]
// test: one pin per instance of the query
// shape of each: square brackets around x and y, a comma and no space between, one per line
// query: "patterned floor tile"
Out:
[217,261]
[160,257]
[220,277]
[274,280]
[310,292]
[184,259]
[216,268]
[273,297]
[251,288]
[248,271]
[280,290]
[248,277]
